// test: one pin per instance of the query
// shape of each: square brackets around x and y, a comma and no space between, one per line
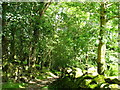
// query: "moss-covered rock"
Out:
[92,86]
[104,85]
[109,86]
[113,86]
[74,72]
[65,82]
[112,81]
[85,82]
[99,79]
[92,71]
[78,72]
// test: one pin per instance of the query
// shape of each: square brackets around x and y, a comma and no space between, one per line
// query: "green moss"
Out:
[113,86]
[99,79]
[65,82]
[85,83]
[13,85]
[93,86]
[104,85]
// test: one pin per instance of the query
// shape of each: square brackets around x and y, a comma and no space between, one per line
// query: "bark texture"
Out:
[102,43]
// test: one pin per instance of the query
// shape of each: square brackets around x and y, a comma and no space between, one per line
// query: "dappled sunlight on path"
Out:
[38,83]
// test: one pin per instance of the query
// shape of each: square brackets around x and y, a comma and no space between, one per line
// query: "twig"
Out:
[112,18]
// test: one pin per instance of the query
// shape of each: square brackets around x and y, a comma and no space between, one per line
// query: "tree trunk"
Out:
[36,32]
[102,43]
[12,47]
[5,40]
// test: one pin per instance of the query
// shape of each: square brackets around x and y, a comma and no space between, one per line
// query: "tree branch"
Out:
[112,18]
[46,6]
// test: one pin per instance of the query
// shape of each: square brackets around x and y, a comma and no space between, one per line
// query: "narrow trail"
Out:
[37,83]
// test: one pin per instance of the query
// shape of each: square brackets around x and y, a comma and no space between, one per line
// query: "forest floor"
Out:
[38,83]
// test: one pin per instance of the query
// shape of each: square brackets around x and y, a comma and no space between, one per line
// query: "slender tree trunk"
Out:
[5,40]
[36,33]
[102,43]
[21,53]
[34,47]
[12,47]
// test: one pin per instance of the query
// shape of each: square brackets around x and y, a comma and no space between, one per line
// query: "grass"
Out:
[13,85]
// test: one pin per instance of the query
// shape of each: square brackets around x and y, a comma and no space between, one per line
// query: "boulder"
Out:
[74,72]
[92,71]
[78,72]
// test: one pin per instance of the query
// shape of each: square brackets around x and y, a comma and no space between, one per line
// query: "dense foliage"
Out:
[39,37]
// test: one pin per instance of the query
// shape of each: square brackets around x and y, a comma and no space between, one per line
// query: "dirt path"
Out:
[37,83]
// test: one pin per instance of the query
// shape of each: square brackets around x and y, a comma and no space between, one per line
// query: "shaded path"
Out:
[37,83]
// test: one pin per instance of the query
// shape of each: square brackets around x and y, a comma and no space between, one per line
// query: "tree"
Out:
[102,38]
[102,43]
